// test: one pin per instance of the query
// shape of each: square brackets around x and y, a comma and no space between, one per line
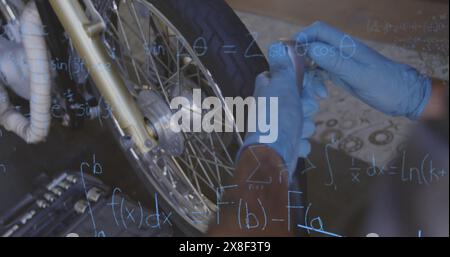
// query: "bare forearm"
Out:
[436,107]
[256,164]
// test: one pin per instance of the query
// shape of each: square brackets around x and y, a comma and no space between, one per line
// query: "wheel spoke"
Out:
[207,161]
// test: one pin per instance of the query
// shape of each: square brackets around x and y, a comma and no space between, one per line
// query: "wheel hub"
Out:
[157,116]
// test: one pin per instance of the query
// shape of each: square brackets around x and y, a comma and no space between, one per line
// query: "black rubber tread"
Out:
[232,55]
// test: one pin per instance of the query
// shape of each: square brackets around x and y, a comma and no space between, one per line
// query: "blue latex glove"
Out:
[295,124]
[313,90]
[393,88]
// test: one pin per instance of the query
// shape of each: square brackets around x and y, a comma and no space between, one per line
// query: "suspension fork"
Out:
[85,34]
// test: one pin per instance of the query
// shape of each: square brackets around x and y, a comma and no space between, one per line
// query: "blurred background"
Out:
[358,17]
[348,192]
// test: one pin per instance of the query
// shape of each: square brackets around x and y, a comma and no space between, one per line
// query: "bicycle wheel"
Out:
[165,49]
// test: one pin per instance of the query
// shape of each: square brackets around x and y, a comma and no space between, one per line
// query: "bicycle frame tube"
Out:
[6,12]
[85,36]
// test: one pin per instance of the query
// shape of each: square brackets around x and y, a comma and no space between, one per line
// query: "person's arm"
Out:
[264,167]
[272,196]
[436,107]
[391,87]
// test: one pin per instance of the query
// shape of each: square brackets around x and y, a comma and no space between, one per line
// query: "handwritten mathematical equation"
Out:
[432,42]
[259,220]
[428,44]
[92,166]
[423,174]
[102,112]
[130,214]
[126,215]
[436,25]
[346,48]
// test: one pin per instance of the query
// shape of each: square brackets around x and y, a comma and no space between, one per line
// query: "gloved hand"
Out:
[294,114]
[313,90]
[393,88]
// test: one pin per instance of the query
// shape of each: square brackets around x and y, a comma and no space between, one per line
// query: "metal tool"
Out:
[300,60]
